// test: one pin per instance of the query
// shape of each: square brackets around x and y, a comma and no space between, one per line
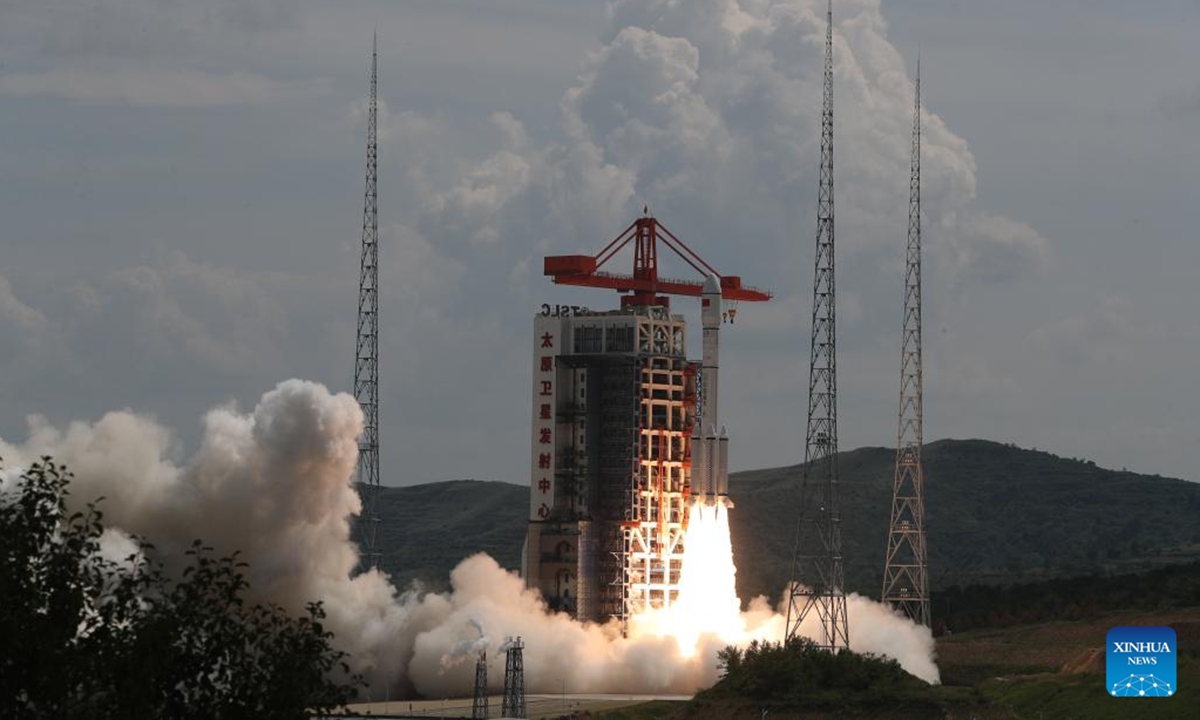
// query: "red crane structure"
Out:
[644,286]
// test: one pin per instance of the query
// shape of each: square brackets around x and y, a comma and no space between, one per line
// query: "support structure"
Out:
[513,703]
[906,570]
[479,707]
[366,358]
[818,576]
[619,416]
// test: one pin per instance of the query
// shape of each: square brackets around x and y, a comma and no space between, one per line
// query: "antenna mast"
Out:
[817,572]
[906,569]
[366,360]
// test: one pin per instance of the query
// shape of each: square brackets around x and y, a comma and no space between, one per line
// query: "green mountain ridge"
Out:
[996,514]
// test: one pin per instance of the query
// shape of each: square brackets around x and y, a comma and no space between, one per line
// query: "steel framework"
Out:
[512,705]
[479,705]
[817,582]
[906,570]
[366,360]
[644,285]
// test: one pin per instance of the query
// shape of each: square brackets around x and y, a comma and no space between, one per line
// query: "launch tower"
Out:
[624,430]
[906,571]
[818,576]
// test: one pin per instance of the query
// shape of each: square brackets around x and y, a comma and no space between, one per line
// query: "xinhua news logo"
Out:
[1141,662]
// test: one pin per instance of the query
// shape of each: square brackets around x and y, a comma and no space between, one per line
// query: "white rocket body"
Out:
[710,450]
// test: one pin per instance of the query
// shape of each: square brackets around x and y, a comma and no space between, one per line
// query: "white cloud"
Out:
[710,113]
[482,192]
[16,314]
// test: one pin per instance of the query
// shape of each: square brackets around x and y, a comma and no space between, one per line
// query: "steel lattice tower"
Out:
[479,706]
[906,570]
[366,359]
[512,705]
[817,572]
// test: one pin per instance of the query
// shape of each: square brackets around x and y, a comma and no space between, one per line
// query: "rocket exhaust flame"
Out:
[708,613]
[708,604]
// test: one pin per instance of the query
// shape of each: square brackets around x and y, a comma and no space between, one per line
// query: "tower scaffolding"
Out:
[906,569]
[818,575]
[512,705]
[366,358]
[479,703]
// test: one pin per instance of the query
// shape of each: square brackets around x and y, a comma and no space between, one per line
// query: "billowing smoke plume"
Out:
[276,484]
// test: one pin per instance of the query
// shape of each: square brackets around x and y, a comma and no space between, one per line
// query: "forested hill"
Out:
[996,514]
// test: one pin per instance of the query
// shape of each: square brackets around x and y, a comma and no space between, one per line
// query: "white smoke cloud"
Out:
[276,484]
[878,629]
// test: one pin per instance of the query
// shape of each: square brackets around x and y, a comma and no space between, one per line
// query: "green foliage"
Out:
[798,674]
[82,635]
[996,514]
[983,606]
[1082,697]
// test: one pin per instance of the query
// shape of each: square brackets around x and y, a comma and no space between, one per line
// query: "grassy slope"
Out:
[1056,670]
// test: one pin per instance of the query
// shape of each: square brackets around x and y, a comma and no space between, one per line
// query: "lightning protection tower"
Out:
[906,571]
[817,582]
[513,703]
[479,707]
[366,359]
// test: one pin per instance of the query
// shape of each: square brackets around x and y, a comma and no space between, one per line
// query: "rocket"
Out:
[710,450]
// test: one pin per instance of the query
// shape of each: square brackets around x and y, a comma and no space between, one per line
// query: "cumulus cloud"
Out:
[710,111]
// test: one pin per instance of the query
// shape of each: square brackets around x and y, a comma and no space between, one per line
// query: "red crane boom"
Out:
[645,286]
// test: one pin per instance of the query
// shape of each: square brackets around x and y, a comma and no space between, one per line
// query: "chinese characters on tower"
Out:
[546,347]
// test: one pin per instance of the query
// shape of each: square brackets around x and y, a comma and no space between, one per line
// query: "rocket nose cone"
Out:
[711,285]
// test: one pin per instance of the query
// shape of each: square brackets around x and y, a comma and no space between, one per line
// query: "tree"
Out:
[82,635]
[797,674]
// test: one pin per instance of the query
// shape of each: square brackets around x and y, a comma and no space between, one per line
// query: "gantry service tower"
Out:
[615,420]
[906,570]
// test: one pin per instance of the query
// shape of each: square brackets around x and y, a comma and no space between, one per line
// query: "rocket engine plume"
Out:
[708,604]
